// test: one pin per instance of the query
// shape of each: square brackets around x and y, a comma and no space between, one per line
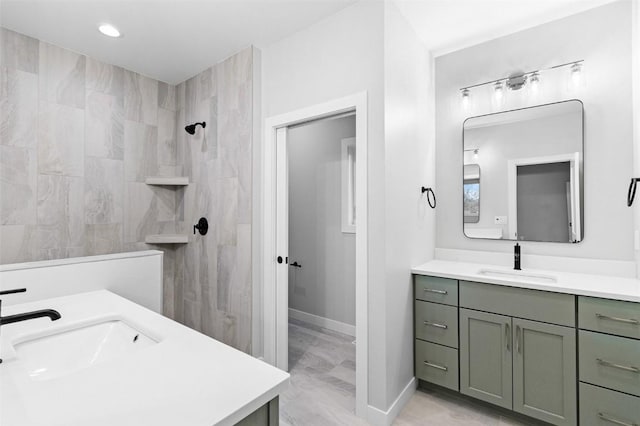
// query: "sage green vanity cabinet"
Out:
[544,371]
[486,357]
[436,330]
[558,358]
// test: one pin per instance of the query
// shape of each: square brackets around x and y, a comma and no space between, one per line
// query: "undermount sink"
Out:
[518,275]
[62,353]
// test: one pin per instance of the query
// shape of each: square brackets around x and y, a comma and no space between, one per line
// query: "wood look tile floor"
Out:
[322,390]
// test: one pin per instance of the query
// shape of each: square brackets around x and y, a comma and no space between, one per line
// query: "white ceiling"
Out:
[169,40]
[448,25]
[172,40]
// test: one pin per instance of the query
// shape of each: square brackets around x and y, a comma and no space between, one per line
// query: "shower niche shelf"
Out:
[167,239]
[167,180]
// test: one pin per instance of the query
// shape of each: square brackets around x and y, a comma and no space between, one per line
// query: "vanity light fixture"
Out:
[109,30]
[530,79]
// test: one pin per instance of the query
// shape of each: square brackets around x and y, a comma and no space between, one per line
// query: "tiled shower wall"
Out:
[215,270]
[77,139]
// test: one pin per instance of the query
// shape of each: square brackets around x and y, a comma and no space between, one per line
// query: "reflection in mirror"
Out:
[532,174]
[471,193]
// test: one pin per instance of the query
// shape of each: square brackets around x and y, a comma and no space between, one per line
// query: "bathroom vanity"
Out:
[557,347]
[109,361]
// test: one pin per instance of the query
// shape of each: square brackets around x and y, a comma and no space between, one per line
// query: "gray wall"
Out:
[543,214]
[77,139]
[325,285]
[608,123]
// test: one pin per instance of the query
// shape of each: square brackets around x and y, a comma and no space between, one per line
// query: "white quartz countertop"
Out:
[565,282]
[186,379]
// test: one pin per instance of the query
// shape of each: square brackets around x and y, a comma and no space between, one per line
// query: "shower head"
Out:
[191,128]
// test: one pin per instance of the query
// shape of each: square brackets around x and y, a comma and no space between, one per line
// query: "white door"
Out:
[282,250]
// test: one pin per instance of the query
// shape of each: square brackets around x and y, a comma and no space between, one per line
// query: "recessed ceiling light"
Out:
[109,30]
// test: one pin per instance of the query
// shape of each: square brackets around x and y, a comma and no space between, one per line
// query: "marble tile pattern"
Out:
[322,388]
[215,291]
[77,138]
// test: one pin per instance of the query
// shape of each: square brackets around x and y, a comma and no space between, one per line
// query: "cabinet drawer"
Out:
[535,305]
[437,323]
[610,361]
[437,364]
[609,316]
[435,289]
[600,407]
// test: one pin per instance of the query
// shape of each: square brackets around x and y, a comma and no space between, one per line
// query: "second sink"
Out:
[518,275]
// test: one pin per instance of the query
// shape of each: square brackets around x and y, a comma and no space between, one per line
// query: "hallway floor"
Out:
[322,389]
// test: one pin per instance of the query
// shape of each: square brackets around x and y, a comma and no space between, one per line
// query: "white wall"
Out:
[636,123]
[409,164]
[370,47]
[608,124]
[340,56]
[325,285]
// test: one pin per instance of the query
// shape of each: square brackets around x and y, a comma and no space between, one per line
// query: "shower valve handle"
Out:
[202,226]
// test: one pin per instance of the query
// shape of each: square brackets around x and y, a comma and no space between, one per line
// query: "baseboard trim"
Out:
[327,323]
[377,417]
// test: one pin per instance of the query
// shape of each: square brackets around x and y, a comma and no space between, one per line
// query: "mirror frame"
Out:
[582,172]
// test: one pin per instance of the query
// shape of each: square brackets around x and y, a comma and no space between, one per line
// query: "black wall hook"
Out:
[431,196]
[632,191]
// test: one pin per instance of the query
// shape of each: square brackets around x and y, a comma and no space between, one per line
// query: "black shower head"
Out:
[191,128]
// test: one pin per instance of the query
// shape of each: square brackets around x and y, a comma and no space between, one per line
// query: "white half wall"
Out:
[136,276]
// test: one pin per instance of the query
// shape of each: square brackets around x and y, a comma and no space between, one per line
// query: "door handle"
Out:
[518,341]
[507,336]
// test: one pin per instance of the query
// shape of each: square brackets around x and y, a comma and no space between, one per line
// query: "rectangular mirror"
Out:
[532,174]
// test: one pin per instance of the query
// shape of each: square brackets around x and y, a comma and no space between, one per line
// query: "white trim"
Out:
[378,417]
[357,102]
[573,158]
[329,324]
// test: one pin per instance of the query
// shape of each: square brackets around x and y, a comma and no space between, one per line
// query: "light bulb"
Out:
[576,75]
[498,94]
[534,83]
[466,101]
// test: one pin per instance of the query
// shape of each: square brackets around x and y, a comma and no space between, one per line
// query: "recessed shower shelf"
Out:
[167,181]
[167,239]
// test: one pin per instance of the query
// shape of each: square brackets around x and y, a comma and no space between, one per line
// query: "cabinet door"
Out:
[485,357]
[544,371]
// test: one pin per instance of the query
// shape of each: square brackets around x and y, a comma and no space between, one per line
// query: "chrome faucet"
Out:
[42,313]
[516,257]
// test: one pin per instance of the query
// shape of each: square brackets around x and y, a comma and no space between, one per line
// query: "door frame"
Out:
[274,307]
[573,158]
